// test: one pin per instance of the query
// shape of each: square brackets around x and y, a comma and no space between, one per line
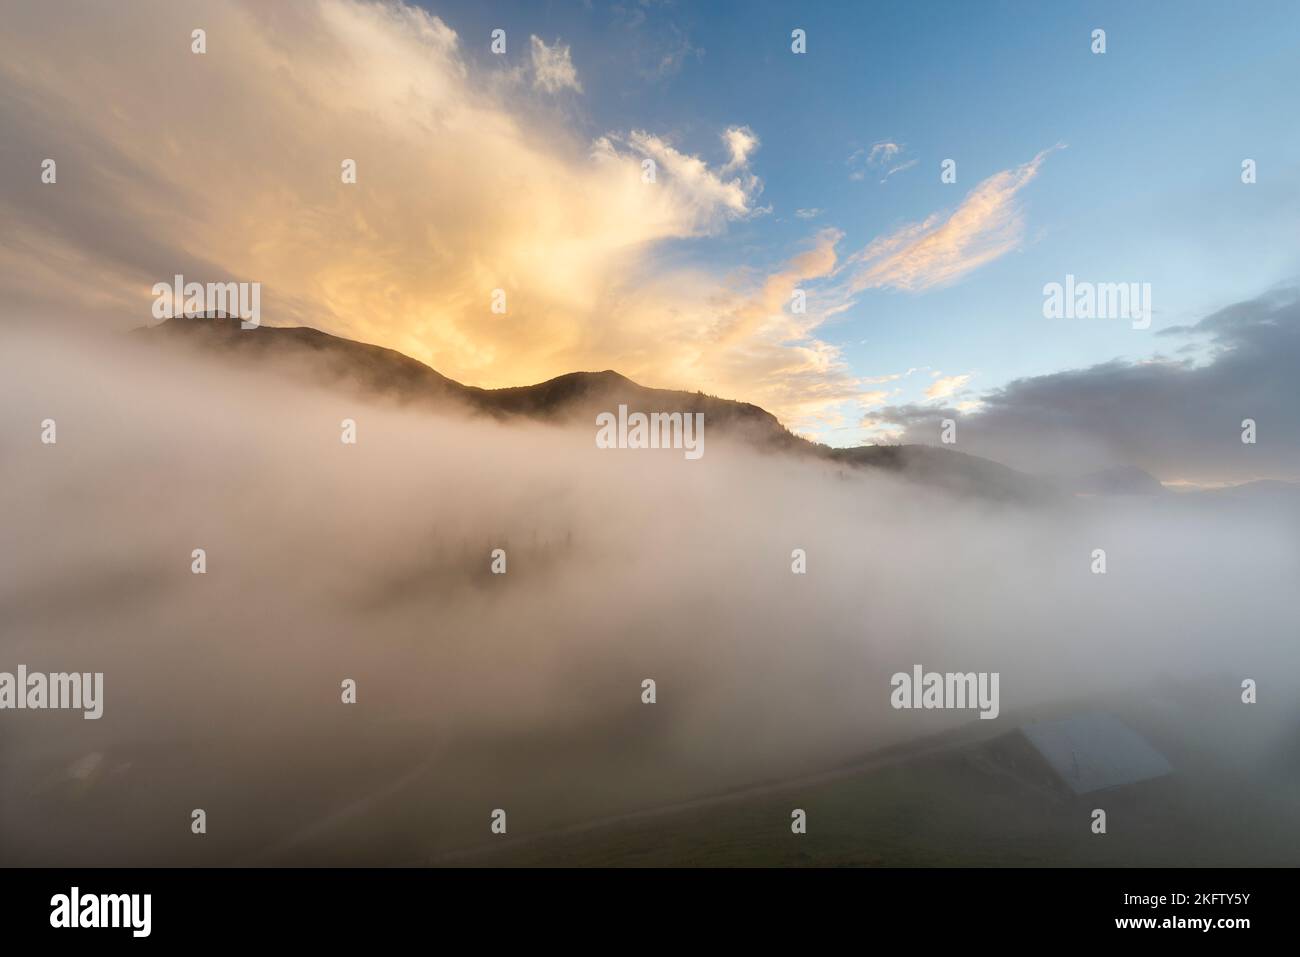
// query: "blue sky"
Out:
[1147,188]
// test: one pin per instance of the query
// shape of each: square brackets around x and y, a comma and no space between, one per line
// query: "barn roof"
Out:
[1090,752]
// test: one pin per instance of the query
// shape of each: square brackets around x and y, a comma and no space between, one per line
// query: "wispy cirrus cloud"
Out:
[883,157]
[935,252]
[553,68]
[944,247]
[898,169]
[883,153]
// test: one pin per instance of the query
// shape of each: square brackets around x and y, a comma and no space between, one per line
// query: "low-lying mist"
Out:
[523,691]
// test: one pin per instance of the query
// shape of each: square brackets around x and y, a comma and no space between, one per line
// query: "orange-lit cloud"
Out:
[946,386]
[226,165]
[471,177]
[943,248]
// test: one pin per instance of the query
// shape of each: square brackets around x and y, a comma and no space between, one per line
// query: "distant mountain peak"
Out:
[374,371]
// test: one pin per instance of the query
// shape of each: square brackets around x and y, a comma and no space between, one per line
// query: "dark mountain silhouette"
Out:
[324,360]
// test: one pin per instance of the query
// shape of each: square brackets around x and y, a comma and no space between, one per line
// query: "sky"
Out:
[775,172]
[1142,184]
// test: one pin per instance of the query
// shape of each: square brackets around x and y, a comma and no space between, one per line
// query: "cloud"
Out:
[466,183]
[655,48]
[854,163]
[883,153]
[741,143]
[1179,419]
[810,213]
[226,166]
[553,69]
[940,250]
[668,56]
[771,303]
[881,156]
[879,430]
[943,387]
[750,332]
[943,248]
[898,169]
[701,200]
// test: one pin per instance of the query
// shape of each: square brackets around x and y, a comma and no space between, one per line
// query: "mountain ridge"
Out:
[380,371]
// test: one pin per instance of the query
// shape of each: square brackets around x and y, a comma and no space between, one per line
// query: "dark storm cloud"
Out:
[1179,419]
